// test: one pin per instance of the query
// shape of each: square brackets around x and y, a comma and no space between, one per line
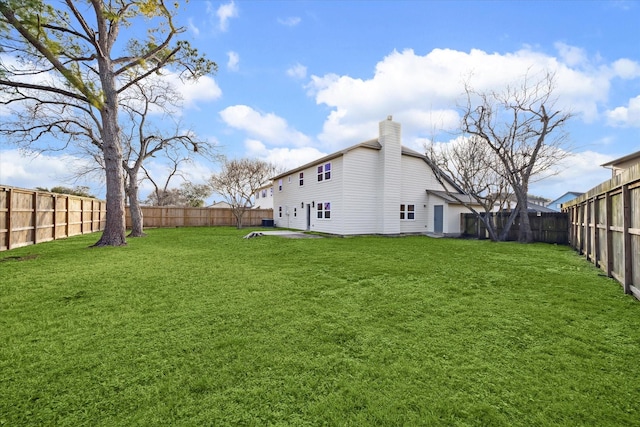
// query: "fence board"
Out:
[616,209]
[548,227]
[28,217]
[163,216]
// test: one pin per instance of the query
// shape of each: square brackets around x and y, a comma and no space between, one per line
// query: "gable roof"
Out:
[373,144]
[624,159]
[459,198]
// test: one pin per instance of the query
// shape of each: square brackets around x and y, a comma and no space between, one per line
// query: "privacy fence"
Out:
[605,227]
[547,227]
[28,217]
[162,216]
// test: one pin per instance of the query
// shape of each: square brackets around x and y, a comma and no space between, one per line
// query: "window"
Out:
[408,212]
[279,211]
[324,210]
[271,192]
[301,178]
[257,194]
[279,185]
[264,193]
[289,179]
[324,172]
[295,212]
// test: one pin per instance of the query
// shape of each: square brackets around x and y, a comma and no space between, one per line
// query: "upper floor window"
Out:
[324,172]
[279,185]
[289,179]
[264,193]
[257,194]
[301,178]
[408,212]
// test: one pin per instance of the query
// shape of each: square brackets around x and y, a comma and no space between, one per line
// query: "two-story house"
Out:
[374,187]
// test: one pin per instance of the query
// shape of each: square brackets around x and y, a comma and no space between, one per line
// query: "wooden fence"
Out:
[28,217]
[163,216]
[605,227]
[547,227]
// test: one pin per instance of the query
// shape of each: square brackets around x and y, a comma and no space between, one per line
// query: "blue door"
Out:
[438,216]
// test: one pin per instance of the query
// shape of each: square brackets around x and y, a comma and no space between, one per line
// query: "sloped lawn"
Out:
[197,326]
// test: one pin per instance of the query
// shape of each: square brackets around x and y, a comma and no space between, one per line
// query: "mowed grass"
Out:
[197,326]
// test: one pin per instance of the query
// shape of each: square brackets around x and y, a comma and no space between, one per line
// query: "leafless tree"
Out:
[472,167]
[525,131]
[64,60]
[238,180]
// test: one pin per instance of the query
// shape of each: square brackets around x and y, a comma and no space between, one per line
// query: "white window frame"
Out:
[301,179]
[324,172]
[280,185]
[323,211]
[407,212]
[279,211]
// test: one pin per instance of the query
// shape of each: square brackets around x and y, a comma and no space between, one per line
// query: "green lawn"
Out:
[197,326]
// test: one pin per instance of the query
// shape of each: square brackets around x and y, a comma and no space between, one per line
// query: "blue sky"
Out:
[301,79]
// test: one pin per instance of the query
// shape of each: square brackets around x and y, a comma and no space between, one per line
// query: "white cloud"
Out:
[298,71]
[224,13]
[290,21]
[571,55]
[234,61]
[18,169]
[578,172]
[287,158]
[193,92]
[194,29]
[422,91]
[626,116]
[626,68]
[268,127]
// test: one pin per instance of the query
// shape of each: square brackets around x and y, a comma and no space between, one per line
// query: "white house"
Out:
[263,197]
[375,187]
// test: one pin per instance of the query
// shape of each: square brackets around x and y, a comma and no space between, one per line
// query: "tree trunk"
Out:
[507,226]
[114,230]
[134,204]
[525,235]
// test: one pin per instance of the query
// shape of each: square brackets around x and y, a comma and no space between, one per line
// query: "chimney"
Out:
[390,139]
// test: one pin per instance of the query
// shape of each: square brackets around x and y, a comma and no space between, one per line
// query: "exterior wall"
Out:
[361,192]
[416,175]
[266,201]
[294,199]
[452,219]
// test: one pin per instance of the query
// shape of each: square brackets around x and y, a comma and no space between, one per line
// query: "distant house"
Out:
[557,203]
[620,165]
[534,204]
[263,197]
[374,187]
[220,205]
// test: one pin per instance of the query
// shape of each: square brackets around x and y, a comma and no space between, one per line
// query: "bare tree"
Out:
[524,130]
[145,140]
[472,167]
[65,60]
[238,181]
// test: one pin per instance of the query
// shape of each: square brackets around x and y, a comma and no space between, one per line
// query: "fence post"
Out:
[9,217]
[34,216]
[626,224]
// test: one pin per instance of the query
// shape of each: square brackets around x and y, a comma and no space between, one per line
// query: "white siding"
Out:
[295,198]
[361,191]
[390,169]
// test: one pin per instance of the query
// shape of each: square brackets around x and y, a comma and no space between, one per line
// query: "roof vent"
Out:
[389,118]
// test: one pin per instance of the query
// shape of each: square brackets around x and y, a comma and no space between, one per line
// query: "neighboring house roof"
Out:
[613,164]
[569,195]
[532,207]
[220,205]
[449,198]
